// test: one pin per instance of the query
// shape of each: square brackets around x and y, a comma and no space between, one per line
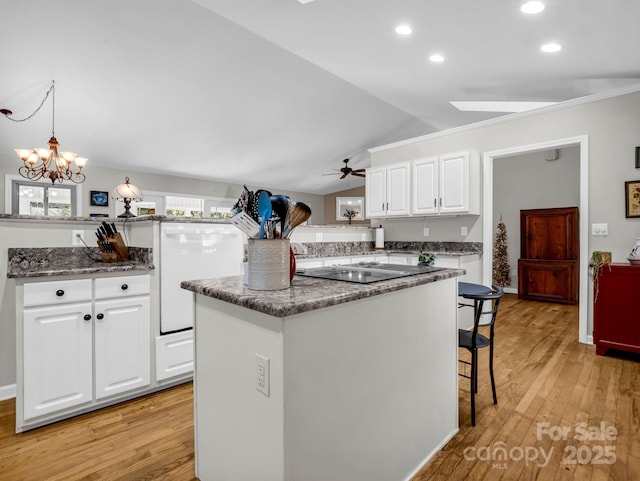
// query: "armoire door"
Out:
[549,251]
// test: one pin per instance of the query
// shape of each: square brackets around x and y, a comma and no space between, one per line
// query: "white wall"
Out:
[103,179]
[612,125]
[529,181]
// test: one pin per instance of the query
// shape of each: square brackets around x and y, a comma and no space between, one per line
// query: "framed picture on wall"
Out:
[99,198]
[349,208]
[632,198]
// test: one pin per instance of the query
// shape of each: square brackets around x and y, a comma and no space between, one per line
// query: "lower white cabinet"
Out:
[122,345]
[57,357]
[80,342]
[174,355]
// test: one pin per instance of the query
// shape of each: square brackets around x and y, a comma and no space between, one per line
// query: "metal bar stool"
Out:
[472,340]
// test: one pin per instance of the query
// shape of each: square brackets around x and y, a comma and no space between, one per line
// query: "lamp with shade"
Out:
[127,193]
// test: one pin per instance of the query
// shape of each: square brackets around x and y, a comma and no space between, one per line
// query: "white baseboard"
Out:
[510,290]
[7,392]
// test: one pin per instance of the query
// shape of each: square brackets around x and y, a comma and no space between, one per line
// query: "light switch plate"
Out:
[425,231]
[463,230]
[599,229]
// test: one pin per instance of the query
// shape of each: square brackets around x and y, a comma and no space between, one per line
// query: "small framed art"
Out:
[99,198]
[632,198]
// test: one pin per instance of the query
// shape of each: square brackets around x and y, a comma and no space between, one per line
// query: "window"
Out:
[32,198]
[184,206]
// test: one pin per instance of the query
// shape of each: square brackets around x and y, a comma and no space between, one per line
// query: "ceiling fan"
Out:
[346,170]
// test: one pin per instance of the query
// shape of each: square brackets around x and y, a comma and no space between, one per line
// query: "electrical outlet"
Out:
[77,238]
[463,230]
[262,374]
[425,231]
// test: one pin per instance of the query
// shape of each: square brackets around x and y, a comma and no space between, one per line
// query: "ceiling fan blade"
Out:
[357,174]
[359,170]
[342,177]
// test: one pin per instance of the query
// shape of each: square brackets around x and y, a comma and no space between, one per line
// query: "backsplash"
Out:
[437,246]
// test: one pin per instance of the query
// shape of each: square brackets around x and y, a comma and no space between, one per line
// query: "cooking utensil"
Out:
[299,212]
[264,210]
[246,224]
[280,206]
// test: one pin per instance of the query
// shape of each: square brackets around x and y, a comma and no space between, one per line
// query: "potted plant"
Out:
[426,259]
[599,259]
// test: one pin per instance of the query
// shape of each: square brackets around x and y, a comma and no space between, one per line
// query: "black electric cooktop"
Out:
[365,272]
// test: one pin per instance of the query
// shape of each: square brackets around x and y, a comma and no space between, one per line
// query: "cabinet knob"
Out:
[100,316]
[124,287]
[59,293]
[87,317]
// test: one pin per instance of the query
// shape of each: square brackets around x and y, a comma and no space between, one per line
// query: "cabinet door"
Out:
[425,186]
[57,355]
[122,345]
[543,280]
[550,234]
[454,183]
[398,189]
[376,192]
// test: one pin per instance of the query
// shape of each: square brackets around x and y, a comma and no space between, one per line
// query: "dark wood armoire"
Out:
[549,251]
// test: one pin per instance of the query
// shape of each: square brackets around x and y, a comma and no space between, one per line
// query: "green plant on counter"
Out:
[426,258]
[599,259]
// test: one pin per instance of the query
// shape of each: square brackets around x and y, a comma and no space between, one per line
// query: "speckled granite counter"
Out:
[310,250]
[306,294]
[63,261]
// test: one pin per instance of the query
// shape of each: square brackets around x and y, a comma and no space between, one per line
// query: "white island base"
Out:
[366,390]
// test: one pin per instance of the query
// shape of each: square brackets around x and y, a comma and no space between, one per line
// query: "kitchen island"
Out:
[326,380]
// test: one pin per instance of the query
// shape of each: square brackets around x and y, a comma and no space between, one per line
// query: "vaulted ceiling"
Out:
[276,92]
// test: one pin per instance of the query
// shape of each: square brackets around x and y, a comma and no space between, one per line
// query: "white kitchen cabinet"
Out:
[337,261]
[387,190]
[441,184]
[308,263]
[174,354]
[122,334]
[57,356]
[122,351]
[79,342]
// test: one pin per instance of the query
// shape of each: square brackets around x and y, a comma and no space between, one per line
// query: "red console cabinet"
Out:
[616,313]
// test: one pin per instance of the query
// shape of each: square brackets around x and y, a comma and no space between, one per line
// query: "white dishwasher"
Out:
[193,251]
[189,250]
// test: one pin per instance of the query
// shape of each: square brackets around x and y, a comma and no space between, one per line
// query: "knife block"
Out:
[121,252]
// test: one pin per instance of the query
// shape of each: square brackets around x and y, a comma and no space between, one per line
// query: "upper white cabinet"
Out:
[387,190]
[441,184]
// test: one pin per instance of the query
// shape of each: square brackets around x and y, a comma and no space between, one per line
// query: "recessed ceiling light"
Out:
[436,57]
[305,1]
[551,47]
[403,30]
[532,7]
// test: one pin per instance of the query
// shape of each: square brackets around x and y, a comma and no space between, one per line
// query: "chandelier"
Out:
[48,163]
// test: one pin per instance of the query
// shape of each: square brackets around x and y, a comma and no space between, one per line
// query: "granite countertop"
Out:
[306,293]
[64,261]
[310,250]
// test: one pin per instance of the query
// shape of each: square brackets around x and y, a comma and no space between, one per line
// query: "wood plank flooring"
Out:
[543,375]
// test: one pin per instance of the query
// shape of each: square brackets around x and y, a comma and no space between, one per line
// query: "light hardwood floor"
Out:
[543,376]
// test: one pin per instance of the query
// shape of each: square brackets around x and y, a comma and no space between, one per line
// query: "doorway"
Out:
[488,187]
